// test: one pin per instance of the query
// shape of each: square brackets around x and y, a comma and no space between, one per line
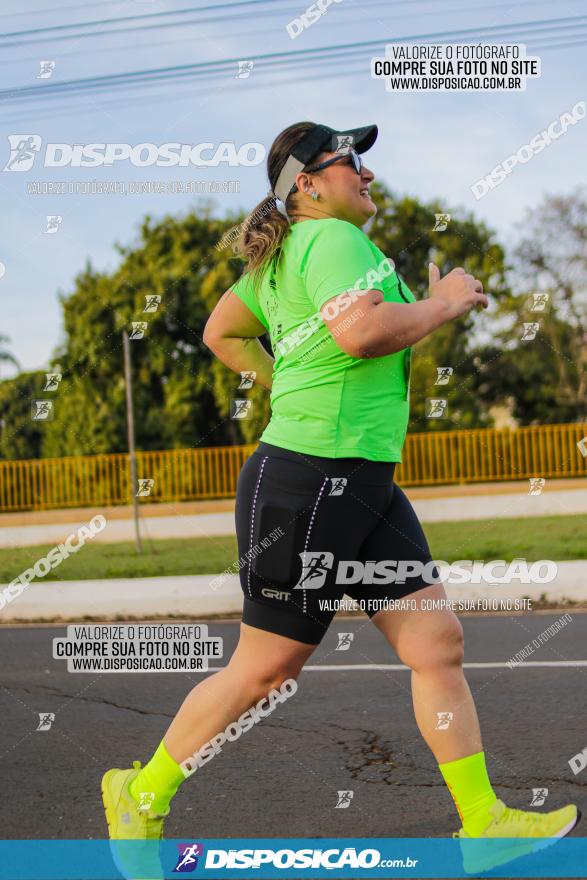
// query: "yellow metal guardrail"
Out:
[432,458]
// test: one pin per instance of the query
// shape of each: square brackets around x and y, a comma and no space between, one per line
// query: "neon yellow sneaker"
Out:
[129,822]
[514,833]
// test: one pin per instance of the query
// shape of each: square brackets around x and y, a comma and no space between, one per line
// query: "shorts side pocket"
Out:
[278,541]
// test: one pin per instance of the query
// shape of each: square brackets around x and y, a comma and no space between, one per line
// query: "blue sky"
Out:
[430,144]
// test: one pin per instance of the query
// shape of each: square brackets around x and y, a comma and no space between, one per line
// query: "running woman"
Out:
[341,323]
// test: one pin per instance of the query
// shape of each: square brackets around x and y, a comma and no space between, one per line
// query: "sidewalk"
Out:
[207,518]
[202,596]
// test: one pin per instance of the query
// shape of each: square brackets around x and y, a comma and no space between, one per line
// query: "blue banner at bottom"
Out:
[258,858]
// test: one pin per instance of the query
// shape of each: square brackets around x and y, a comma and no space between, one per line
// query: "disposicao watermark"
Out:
[334,307]
[142,647]
[54,557]
[24,149]
[456,67]
[539,142]
[316,564]
[312,14]
[540,640]
[253,552]
[244,723]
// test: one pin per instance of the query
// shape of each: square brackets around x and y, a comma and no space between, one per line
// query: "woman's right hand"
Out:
[459,290]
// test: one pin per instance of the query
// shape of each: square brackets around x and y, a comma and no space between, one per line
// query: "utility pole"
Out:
[130,425]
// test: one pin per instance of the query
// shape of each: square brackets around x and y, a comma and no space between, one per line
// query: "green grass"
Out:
[158,559]
[532,538]
[553,537]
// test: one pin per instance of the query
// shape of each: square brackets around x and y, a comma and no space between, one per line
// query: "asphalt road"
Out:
[345,729]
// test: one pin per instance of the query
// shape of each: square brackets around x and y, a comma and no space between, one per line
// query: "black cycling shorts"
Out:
[293,508]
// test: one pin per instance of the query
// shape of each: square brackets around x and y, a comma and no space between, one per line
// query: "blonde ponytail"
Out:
[262,234]
[266,227]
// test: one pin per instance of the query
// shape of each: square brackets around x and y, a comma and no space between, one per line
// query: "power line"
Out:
[150,16]
[221,66]
[336,23]
[56,9]
[353,67]
[173,24]
[324,53]
[580,42]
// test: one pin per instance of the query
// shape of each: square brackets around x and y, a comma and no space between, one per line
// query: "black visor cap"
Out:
[320,139]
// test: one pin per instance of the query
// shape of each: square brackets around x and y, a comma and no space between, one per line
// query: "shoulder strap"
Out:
[400,287]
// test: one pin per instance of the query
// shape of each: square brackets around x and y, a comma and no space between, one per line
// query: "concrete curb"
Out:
[201,525]
[193,596]
[554,502]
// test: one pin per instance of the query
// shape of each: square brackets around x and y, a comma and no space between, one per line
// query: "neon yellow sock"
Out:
[471,790]
[158,781]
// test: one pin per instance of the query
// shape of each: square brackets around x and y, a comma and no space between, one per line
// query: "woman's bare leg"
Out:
[261,661]
[431,644]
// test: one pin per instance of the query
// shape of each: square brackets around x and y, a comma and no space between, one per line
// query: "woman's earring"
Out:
[315,195]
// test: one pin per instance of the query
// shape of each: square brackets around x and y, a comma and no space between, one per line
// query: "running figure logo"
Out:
[53,223]
[539,795]
[441,223]
[344,143]
[539,302]
[46,719]
[530,331]
[52,381]
[241,409]
[138,329]
[247,379]
[41,410]
[152,302]
[315,566]
[23,151]
[444,374]
[344,800]
[244,69]
[187,860]
[444,719]
[46,71]
[344,641]
[537,484]
[338,484]
[435,407]
[146,799]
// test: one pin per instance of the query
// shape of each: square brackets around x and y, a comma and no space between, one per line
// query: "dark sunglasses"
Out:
[356,161]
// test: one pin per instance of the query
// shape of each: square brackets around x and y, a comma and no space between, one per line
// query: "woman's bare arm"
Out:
[232,332]
[372,327]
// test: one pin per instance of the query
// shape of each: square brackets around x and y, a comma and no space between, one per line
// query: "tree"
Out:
[224,381]
[404,229]
[552,258]
[5,355]
[544,328]
[172,276]
[169,281]
[20,435]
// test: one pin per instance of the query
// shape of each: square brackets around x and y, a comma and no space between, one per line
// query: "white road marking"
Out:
[399,667]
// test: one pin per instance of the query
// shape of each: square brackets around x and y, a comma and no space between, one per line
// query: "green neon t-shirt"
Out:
[323,401]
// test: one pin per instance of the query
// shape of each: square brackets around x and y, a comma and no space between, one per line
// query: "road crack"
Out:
[101,701]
